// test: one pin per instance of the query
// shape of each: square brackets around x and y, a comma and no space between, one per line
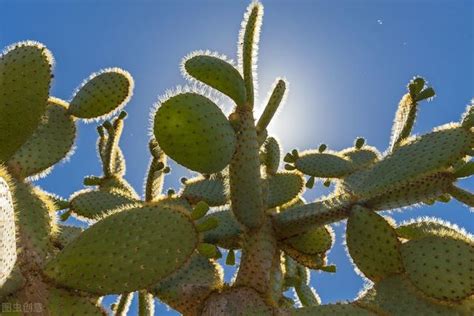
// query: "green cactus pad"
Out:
[192,130]
[36,221]
[62,302]
[217,73]
[331,310]
[307,295]
[25,69]
[186,289]
[362,157]
[51,142]
[284,187]
[91,204]
[312,261]
[318,240]
[396,296]
[425,227]
[440,267]
[102,95]
[66,235]
[228,233]
[417,158]
[324,165]
[159,238]
[212,191]
[7,230]
[373,244]
[412,192]
[271,151]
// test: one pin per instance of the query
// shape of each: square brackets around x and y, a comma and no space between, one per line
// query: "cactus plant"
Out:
[166,244]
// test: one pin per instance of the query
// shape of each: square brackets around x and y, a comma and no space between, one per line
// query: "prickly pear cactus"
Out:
[165,245]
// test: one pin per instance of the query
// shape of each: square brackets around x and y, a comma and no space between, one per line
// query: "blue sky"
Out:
[347,62]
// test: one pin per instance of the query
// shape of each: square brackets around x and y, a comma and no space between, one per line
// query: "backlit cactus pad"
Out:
[245,200]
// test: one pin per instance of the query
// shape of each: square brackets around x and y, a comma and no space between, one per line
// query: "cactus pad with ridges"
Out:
[25,69]
[217,73]
[373,244]
[161,238]
[441,267]
[50,143]
[102,95]
[193,131]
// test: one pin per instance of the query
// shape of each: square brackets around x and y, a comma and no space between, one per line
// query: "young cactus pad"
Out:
[240,201]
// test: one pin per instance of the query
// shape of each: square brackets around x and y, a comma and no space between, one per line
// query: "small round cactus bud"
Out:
[289,158]
[416,85]
[208,224]
[100,130]
[183,180]
[171,192]
[107,125]
[200,210]
[166,169]
[310,183]
[230,259]
[425,94]
[289,167]
[322,148]
[359,142]
[208,250]
[327,183]
[295,154]
[122,115]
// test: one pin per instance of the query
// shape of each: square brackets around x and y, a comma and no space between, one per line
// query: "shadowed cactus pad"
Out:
[25,72]
[50,143]
[192,130]
[113,251]
[440,267]
[283,187]
[102,95]
[373,244]
[212,191]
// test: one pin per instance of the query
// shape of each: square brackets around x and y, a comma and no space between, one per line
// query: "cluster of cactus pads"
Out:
[165,245]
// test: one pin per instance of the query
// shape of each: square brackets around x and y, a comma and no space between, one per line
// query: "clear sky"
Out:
[348,63]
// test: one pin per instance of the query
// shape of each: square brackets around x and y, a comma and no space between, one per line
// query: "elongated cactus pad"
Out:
[217,73]
[418,157]
[7,231]
[323,165]
[441,267]
[102,95]
[283,187]
[425,227]
[271,155]
[192,130]
[95,204]
[127,251]
[373,244]
[25,69]
[50,143]
[186,289]
[212,191]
